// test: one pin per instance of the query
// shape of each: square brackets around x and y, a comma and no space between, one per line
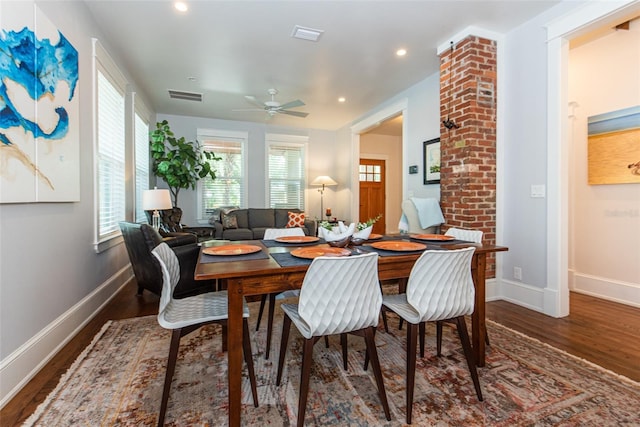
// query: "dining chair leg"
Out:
[305,373]
[421,334]
[248,358]
[272,306]
[343,344]
[326,341]
[486,338]
[366,354]
[468,352]
[369,337]
[412,330]
[171,367]
[263,301]
[225,330]
[439,338]
[286,326]
[384,319]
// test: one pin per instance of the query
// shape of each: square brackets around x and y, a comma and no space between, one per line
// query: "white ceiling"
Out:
[237,48]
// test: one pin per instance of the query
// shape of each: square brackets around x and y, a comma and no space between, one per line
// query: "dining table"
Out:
[257,267]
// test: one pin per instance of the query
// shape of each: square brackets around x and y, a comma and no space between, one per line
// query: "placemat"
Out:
[285,259]
[205,259]
[276,244]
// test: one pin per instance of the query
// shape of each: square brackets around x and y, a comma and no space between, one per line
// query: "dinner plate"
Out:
[399,245]
[375,237]
[316,251]
[231,250]
[432,237]
[296,239]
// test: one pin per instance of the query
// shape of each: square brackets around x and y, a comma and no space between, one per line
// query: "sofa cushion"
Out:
[282,216]
[295,220]
[229,221]
[237,234]
[261,218]
[243,217]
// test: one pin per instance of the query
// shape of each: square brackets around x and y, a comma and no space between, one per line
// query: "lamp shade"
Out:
[323,180]
[156,199]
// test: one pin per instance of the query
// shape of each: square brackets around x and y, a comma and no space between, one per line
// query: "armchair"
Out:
[140,239]
[170,226]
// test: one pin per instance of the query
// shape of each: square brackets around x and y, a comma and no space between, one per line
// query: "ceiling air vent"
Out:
[187,96]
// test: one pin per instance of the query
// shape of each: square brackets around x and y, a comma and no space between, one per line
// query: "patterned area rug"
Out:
[118,381]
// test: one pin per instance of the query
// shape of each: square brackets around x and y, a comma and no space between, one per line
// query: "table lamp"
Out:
[322,180]
[156,200]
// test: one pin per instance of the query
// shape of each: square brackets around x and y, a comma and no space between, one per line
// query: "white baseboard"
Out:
[521,294]
[17,369]
[612,290]
[491,290]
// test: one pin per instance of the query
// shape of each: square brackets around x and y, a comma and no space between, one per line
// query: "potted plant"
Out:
[363,229]
[178,162]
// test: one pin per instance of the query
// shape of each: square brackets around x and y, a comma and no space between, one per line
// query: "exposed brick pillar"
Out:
[468,89]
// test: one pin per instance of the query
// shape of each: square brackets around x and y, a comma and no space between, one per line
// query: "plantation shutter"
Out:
[228,189]
[286,176]
[141,142]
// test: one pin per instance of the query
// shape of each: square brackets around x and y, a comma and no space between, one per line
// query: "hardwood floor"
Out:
[603,332]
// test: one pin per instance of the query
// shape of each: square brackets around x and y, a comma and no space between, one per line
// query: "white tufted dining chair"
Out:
[272,234]
[440,288]
[474,236]
[185,315]
[339,295]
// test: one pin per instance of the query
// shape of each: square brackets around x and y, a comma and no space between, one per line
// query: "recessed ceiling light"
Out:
[192,79]
[401,52]
[342,99]
[181,6]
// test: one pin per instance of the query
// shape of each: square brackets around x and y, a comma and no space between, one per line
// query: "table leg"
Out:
[478,327]
[234,351]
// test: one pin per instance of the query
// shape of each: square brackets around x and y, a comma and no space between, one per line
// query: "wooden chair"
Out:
[440,288]
[184,316]
[338,296]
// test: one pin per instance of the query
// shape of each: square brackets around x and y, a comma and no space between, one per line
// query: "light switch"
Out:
[538,190]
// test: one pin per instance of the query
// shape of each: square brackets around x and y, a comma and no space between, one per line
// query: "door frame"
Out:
[366,124]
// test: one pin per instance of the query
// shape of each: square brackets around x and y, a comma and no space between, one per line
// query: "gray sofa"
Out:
[253,221]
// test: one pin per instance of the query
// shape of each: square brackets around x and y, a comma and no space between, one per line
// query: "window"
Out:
[286,168]
[229,187]
[141,154]
[371,173]
[109,87]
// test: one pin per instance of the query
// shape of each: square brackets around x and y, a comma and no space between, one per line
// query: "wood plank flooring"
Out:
[603,332]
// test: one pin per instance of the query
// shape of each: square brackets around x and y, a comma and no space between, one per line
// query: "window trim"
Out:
[241,137]
[139,109]
[292,141]
[102,62]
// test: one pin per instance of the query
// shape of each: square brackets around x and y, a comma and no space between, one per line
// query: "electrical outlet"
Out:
[517,273]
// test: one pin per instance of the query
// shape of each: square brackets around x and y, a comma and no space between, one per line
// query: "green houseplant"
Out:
[178,162]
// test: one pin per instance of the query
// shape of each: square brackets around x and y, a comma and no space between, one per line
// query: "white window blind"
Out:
[109,92]
[287,172]
[141,142]
[229,187]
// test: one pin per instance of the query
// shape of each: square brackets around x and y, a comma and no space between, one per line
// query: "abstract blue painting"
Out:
[39,142]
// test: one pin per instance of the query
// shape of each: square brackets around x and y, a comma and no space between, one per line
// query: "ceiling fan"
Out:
[273,107]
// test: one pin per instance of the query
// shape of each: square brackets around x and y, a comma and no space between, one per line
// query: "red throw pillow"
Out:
[295,219]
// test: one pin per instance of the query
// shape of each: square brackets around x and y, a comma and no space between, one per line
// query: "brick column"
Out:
[468,88]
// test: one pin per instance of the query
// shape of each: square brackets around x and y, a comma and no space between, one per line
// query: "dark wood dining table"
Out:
[244,277]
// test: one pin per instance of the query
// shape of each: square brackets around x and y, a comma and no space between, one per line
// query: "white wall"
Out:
[51,278]
[323,154]
[604,75]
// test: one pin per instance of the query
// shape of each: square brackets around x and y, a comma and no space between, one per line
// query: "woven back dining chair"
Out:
[339,295]
[474,236]
[440,288]
[185,315]
[272,234]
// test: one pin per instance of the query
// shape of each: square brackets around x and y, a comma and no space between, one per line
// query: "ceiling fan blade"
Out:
[292,104]
[294,113]
[254,101]
[248,109]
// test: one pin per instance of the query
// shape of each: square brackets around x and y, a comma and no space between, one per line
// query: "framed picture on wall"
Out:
[431,155]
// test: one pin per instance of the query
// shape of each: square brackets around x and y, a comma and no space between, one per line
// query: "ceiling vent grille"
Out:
[187,96]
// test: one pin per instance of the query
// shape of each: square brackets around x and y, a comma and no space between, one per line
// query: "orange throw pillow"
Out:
[295,220]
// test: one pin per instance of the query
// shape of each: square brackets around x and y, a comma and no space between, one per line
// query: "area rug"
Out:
[118,380]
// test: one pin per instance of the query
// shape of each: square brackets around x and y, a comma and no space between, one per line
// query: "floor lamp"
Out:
[323,180]
[156,200]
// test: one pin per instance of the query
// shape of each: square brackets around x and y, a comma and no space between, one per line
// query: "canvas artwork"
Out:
[39,109]
[614,147]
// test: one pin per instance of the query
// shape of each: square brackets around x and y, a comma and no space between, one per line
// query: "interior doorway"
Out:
[372,174]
